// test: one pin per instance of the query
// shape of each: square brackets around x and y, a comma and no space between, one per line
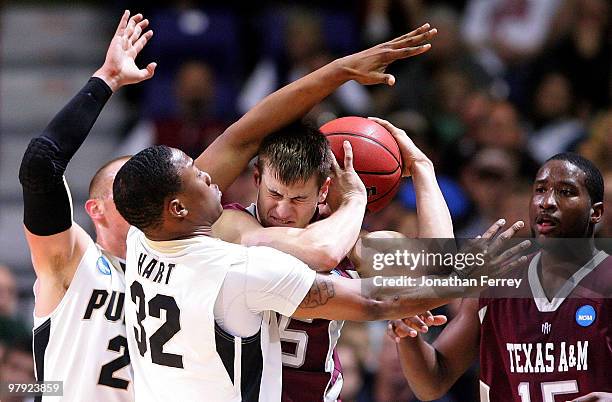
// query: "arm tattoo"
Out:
[321,291]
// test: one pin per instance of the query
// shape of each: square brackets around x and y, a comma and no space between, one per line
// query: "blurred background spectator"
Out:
[507,84]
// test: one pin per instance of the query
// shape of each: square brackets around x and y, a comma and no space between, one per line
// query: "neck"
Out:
[567,256]
[111,243]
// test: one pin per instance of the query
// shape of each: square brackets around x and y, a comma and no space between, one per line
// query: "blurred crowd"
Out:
[506,85]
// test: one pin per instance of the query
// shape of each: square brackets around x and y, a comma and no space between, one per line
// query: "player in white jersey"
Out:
[211,290]
[79,329]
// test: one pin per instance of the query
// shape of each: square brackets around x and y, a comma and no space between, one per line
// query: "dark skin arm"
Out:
[240,142]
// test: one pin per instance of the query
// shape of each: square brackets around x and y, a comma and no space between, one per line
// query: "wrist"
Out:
[355,200]
[109,76]
[421,165]
[340,72]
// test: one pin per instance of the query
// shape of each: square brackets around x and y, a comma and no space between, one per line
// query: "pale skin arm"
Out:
[56,257]
[433,217]
[240,142]
[321,245]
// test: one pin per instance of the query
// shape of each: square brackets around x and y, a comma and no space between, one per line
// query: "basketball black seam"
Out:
[378,173]
[369,138]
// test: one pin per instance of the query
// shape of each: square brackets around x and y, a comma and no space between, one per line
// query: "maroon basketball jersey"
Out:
[311,366]
[536,350]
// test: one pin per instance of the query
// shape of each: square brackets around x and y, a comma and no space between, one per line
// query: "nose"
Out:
[283,209]
[548,200]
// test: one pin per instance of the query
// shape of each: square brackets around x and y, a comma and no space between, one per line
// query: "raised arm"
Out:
[240,142]
[56,242]
[433,217]
[321,245]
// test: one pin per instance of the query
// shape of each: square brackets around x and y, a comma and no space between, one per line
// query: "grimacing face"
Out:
[293,205]
[561,206]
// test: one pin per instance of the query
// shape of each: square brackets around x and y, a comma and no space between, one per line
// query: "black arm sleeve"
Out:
[47,207]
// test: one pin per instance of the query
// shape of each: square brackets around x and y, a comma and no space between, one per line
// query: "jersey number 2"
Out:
[108,370]
[164,333]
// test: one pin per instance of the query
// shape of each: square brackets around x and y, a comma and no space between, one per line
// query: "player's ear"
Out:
[597,210]
[94,208]
[256,174]
[177,209]
[324,190]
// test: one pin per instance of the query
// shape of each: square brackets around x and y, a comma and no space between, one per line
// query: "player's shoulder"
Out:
[598,283]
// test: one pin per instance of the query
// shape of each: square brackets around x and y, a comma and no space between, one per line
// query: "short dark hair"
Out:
[295,153]
[593,181]
[95,185]
[142,185]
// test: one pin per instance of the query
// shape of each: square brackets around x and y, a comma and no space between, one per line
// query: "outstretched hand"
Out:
[120,67]
[368,67]
[411,326]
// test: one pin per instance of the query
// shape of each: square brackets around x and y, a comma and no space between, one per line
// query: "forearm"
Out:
[337,234]
[423,368]
[433,216]
[43,165]
[241,141]
[289,103]
[321,245]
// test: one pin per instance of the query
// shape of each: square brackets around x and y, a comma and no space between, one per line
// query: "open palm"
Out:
[120,67]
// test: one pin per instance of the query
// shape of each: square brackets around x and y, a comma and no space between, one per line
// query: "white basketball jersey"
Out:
[179,353]
[83,341]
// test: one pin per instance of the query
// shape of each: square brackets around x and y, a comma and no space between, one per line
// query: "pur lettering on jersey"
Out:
[161,269]
[545,358]
[100,299]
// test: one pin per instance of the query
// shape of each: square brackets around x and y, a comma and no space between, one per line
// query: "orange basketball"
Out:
[376,156]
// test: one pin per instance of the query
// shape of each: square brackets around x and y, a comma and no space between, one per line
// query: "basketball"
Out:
[376,156]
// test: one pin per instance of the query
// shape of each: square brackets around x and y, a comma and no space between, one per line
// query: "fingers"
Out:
[511,252]
[122,22]
[148,71]
[390,127]
[439,319]
[413,40]
[419,30]
[507,234]
[397,330]
[348,156]
[142,41]
[335,167]
[131,25]
[428,317]
[493,230]
[404,53]
[138,30]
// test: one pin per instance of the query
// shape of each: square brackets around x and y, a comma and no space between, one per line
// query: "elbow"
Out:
[41,167]
[323,257]
[327,260]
